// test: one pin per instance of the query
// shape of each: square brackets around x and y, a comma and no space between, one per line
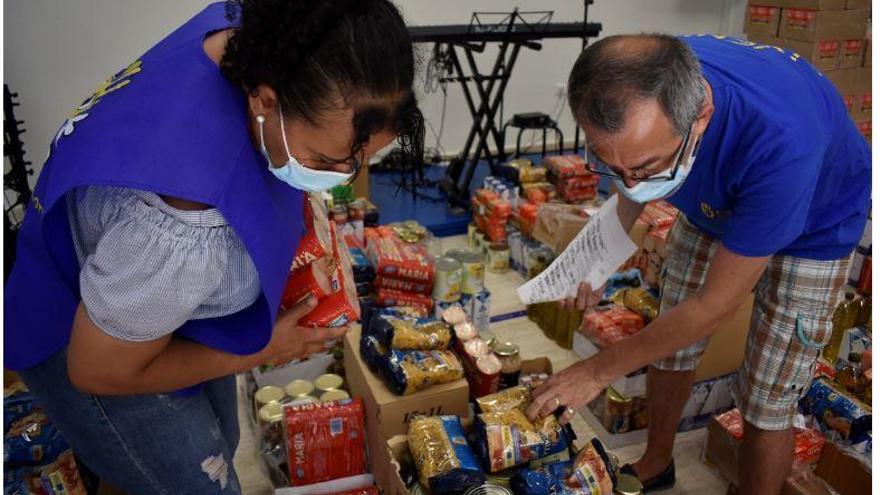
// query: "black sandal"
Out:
[663,481]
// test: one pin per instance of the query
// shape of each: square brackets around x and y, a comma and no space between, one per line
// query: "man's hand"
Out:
[572,388]
[586,298]
[291,341]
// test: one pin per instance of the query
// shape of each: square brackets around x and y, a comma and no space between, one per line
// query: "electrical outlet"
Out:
[561,89]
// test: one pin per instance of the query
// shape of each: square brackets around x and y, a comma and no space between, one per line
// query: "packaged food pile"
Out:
[841,417]
[404,269]
[322,267]
[506,436]
[650,233]
[591,473]
[574,182]
[411,354]
[491,210]
[472,297]
[807,443]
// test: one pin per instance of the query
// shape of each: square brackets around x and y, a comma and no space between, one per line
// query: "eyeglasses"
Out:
[598,167]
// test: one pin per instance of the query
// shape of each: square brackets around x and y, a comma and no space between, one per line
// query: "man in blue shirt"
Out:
[772,178]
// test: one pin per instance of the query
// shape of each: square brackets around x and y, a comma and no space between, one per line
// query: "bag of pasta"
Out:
[442,456]
[407,333]
[408,372]
[508,438]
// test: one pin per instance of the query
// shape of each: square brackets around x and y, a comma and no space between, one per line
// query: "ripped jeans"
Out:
[145,444]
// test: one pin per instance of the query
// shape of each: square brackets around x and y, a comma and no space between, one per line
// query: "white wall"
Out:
[57,51]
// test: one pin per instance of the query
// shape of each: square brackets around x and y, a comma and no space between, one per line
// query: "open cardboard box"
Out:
[388,414]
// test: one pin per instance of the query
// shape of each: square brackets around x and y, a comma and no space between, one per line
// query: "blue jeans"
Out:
[145,444]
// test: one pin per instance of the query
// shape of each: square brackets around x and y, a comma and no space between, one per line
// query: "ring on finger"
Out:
[558,402]
[569,411]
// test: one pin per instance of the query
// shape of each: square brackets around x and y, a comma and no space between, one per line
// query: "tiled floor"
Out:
[692,475]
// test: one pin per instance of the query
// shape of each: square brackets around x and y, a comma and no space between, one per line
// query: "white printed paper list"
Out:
[595,253]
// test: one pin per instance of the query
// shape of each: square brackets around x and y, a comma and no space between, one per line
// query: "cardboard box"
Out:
[388,414]
[866,60]
[814,4]
[858,4]
[859,105]
[843,79]
[862,79]
[852,53]
[812,25]
[825,55]
[762,19]
[764,39]
[631,385]
[727,346]
[395,449]
[845,473]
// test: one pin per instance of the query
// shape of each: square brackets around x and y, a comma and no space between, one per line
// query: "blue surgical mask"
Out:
[645,191]
[294,173]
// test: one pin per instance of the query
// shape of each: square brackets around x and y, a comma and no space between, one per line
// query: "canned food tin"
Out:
[299,388]
[488,489]
[499,258]
[267,394]
[447,279]
[458,254]
[473,273]
[327,382]
[628,484]
[271,412]
[334,395]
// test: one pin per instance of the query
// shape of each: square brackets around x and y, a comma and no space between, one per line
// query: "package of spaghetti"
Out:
[372,352]
[316,242]
[592,473]
[404,312]
[18,402]
[442,456]
[319,278]
[407,333]
[407,372]
[387,298]
[336,310]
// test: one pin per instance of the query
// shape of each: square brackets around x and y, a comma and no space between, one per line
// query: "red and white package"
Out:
[565,166]
[316,242]
[386,298]
[403,285]
[393,258]
[336,310]
[320,277]
[325,441]
[606,328]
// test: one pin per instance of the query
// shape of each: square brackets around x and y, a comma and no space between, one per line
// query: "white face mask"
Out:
[645,191]
[294,173]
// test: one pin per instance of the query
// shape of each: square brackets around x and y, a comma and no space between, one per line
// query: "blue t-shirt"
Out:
[782,169]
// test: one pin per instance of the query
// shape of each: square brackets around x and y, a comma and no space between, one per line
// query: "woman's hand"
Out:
[572,388]
[586,298]
[291,341]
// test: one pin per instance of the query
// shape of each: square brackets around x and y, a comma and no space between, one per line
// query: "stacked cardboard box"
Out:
[649,233]
[833,35]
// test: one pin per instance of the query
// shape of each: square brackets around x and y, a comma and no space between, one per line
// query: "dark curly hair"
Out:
[314,52]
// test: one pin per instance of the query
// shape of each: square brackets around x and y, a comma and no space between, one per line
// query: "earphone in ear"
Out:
[261,119]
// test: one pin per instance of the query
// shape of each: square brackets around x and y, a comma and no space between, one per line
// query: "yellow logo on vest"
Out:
[708,211]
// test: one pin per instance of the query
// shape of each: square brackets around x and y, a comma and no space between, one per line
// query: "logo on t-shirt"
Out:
[708,211]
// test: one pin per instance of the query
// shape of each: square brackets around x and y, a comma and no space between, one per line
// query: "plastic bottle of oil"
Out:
[851,377]
[844,317]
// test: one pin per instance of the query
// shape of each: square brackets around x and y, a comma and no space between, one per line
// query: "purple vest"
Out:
[172,124]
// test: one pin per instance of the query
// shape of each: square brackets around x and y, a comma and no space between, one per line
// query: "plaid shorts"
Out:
[791,321]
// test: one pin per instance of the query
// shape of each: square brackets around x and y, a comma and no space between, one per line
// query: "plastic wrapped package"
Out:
[482,367]
[336,310]
[841,417]
[325,441]
[417,334]
[393,258]
[465,331]
[454,315]
[387,298]
[411,371]
[32,439]
[508,438]
[382,282]
[404,312]
[316,242]
[319,278]
[591,473]
[61,477]
[442,456]
[566,166]
[607,327]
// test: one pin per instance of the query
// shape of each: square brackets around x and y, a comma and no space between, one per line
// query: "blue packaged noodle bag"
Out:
[842,418]
[591,473]
[443,458]
[407,372]
[18,402]
[410,333]
[33,439]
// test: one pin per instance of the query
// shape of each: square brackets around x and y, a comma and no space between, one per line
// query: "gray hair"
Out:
[615,70]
